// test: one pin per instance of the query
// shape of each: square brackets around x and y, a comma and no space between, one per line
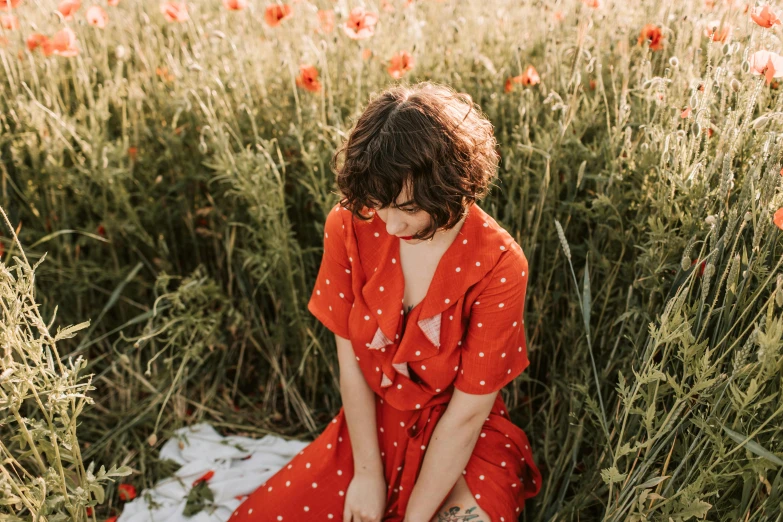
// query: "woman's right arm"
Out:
[359,409]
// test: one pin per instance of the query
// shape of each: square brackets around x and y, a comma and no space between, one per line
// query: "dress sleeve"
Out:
[494,350]
[332,296]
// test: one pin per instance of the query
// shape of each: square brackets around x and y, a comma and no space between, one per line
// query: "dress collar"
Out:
[473,253]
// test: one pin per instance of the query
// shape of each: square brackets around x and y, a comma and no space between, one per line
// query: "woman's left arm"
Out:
[448,453]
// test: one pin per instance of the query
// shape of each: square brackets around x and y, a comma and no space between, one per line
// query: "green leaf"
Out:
[753,446]
[697,508]
[70,331]
[586,299]
[612,475]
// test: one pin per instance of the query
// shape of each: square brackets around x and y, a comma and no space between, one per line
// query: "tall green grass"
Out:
[177,180]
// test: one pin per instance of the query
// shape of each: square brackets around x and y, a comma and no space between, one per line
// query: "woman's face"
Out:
[404,219]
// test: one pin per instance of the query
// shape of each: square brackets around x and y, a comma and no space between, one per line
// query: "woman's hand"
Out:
[365,499]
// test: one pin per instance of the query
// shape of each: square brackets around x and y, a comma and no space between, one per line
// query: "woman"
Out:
[425,294]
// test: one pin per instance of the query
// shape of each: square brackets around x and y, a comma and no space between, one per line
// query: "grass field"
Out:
[164,173]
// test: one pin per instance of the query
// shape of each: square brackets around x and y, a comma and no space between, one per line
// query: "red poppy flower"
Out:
[234,5]
[767,63]
[778,218]
[366,54]
[701,268]
[276,13]
[308,78]
[63,43]
[716,33]
[113,3]
[127,491]
[9,22]
[360,24]
[399,64]
[765,16]
[132,152]
[6,5]
[530,76]
[111,519]
[68,7]
[97,17]
[175,11]
[326,18]
[652,34]
[686,112]
[595,4]
[203,478]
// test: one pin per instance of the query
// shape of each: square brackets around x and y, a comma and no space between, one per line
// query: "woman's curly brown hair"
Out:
[426,134]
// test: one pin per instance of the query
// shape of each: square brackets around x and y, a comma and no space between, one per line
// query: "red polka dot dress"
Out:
[467,333]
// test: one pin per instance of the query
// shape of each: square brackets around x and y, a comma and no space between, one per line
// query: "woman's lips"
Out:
[406,237]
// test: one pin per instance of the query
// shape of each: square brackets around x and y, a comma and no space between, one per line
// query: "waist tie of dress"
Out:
[418,428]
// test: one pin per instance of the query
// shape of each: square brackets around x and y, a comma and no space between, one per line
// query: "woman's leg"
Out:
[460,506]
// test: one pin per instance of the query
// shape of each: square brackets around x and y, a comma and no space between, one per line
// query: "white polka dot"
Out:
[377,234]
[501,305]
[377,369]
[315,484]
[502,279]
[279,517]
[481,477]
[502,247]
[381,429]
[526,446]
[379,312]
[486,224]
[456,368]
[330,308]
[347,271]
[270,488]
[515,323]
[482,433]
[366,317]
[478,495]
[481,354]
[339,472]
[477,302]
[463,471]
[318,292]
[523,272]
[503,463]
[289,466]
[357,357]
[478,263]
[350,259]
[399,386]
[479,325]
[330,516]
[250,511]
[509,370]
[306,508]
[307,465]
[437,390]
[418,406]
[520,348]
[448,301]
[464,241]
[287,483]
[381,289]
[482,383]
[342,295]
[395,443]
[326,234]
[503,354]
[423,367]
[394,261]
[342,493]
[458,269]
[327,281]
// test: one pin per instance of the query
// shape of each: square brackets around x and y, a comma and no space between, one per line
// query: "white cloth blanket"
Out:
[240,466]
